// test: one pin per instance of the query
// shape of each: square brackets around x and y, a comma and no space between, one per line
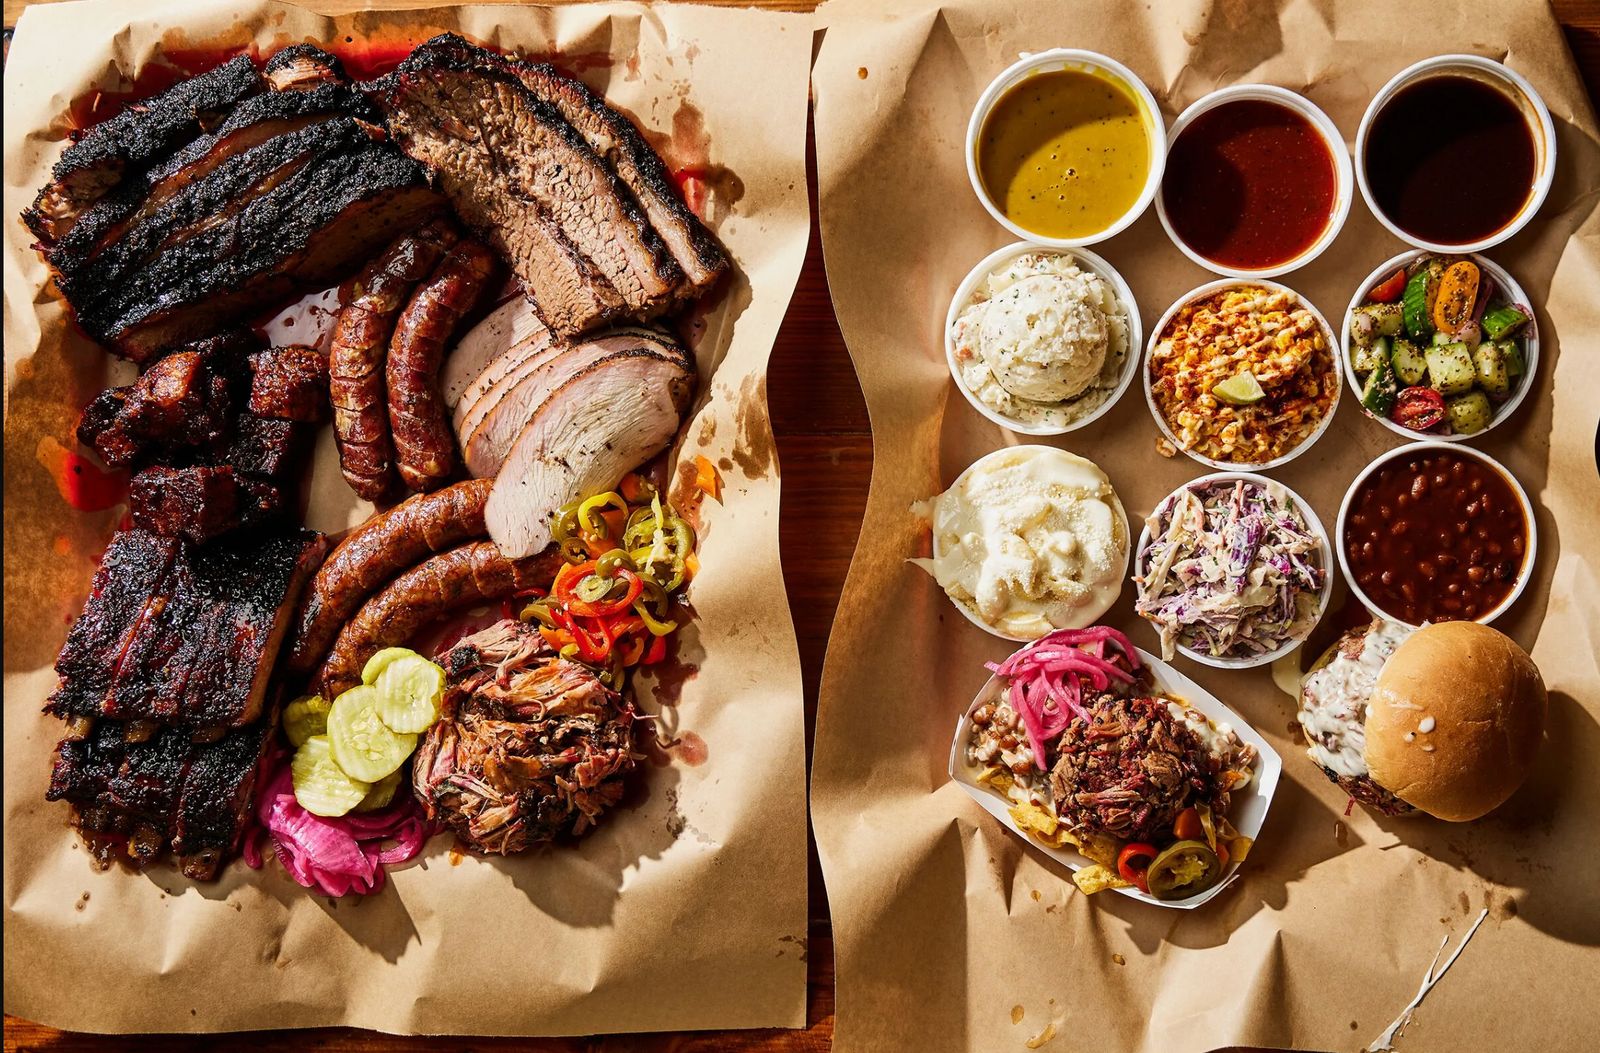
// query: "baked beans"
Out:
[1436,537]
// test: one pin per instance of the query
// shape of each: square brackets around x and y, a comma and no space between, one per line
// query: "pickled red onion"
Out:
[334,856]
[1046,676]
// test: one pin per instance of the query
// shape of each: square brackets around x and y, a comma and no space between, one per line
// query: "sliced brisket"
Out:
[132,141]
[614,138]
[516,170]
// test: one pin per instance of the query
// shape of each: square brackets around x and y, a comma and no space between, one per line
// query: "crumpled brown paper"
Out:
[687,909]
[950,933]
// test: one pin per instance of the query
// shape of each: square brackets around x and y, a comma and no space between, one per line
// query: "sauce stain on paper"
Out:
[83,485]
[690,749]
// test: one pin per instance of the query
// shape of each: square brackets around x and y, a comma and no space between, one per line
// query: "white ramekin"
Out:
[1524,574]
[1512,292]
[1544,142]
[971,615]
[1343,181]
[1206,290]
[1324,549]
[1087,61]
[1085,259]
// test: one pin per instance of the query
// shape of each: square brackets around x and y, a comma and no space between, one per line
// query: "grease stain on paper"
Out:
[753,450]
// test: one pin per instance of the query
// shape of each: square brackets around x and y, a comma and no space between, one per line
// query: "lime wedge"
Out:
[1241,390]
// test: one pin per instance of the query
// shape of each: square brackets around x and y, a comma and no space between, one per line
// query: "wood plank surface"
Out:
[825,449]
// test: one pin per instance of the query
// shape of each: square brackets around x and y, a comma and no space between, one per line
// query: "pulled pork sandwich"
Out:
[529,746]
[1446,719]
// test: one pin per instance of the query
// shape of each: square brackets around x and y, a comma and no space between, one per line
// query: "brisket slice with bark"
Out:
[620,144]
[253,122]
[132,141]
[285,217]
[519,173]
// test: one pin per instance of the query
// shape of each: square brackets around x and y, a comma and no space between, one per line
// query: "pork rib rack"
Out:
[164,687]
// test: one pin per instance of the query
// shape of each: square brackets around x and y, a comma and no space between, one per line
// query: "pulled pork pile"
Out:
[1131,769]
[529,746]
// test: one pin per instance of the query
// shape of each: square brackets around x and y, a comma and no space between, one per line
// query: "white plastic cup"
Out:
[1517,86]
[1512,292]
[1343,182]
[1524,573]
[1208,289]
[1089,62]
[1086,260]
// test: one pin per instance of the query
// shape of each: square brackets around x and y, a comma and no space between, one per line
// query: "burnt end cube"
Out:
[290,383]
[102,429]
[168,396]
[267,447]
[199,503]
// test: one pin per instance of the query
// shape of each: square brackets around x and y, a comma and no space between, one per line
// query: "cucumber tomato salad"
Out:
[1438,347]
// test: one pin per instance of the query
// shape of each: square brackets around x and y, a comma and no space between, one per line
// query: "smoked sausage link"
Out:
[375,552]
[474,573]
[360,340]
[423,442]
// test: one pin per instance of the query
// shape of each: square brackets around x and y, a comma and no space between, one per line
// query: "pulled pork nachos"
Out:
[1092,755]
[1244,375]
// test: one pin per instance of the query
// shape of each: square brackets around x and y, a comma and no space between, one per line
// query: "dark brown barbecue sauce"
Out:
[1451,159]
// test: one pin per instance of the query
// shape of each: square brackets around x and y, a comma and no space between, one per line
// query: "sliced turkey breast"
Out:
[491,385]
[604,421]
[511,324]
[512,402]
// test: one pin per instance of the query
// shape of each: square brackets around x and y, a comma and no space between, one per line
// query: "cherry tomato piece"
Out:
[1390,289]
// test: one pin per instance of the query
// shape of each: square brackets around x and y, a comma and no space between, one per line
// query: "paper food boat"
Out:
[1247,812]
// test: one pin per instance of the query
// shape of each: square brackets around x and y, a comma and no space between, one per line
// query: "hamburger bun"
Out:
[1456,720]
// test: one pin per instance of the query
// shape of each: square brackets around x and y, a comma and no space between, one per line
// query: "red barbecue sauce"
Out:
[1249,184]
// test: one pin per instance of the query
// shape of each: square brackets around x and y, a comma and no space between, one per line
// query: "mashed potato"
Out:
[1042,342]
[1030,539]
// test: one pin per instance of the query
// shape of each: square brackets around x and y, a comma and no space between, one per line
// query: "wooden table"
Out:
[825,448]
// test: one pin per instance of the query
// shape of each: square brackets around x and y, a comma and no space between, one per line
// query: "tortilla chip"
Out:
[1100,848]
[996,779]
[1097,878]
[1040,824]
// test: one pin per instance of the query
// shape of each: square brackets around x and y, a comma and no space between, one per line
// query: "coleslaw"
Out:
[1232,569]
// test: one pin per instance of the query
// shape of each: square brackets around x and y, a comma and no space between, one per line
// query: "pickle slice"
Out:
[375,665]
[409,690]
[304,717]
[381,794]
[320,785]
[362,743]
